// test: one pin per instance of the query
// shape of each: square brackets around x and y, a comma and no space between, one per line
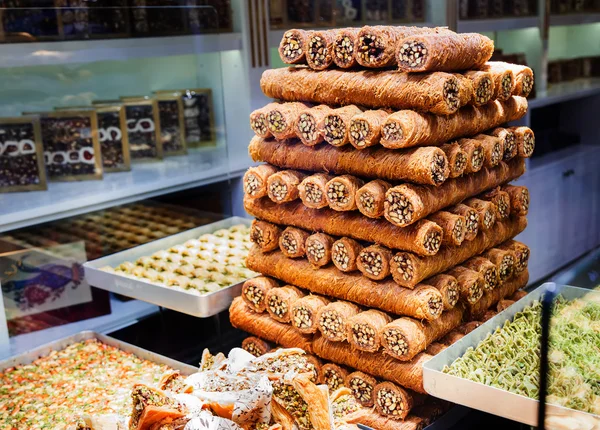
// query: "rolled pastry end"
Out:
[292,45]
[371,48]
[483,90]
[307,129]
[451,93]
[344,253]
[392,401]
[334,376]
[344,48]
[313,190]
[404,266]
[399,210]
[370,198]
[256,346]
[318,249]
[394,341]
[412,54]
[255,180]
[259,124]
[341,192]
[319,50]
[362,386]
[374,262]
[292,242]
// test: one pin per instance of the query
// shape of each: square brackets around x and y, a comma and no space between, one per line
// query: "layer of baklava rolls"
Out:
[258,121]
[508,288]
[521,252]
[281,119]
[509,141]
[493,151]
[453,226]
[505,261]
[486,211]
[335,125]
[523,77]
[363,329]
[475,154]
[500,199]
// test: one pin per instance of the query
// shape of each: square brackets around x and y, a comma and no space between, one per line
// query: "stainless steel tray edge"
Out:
[198,306]
[489,399]
[43,350]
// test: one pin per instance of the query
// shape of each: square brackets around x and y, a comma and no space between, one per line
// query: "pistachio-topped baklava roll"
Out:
[265,235]
[292,48]
[523,76]
[282,186]
[376,45]
[335,125]
[280,301]
[305,312]
[504,260]
[492,149]
[448,286]
[509,141]
[362,386]
[365,128]
[438,92]
[344,254]
[490,298]
[370,198]
[255,180]
[471,219]
[281,118]
[292,242]
[341,192]
[457,159]
[334,376]
[363,329]
[394,402]
[486,211]
[254,292]
[519,198]
[258,121]
[319,49]
[333,319]
[504,79]
[313,190]
[475,154]
[488,270]
[525,141]
[344,48]
[318,249]
[521,252]
[444,51]
[374,262]
[308,124]
[483,86]
[470,283]
[256,346]
[499,198]
[453,226]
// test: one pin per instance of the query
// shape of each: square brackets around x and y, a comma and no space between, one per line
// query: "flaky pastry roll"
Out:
[292,242]
[318,249]
[374,262]
[254,292]
[333,319]
[341,192]
[486,268]
[365,128]
[305,312]
[256,346]
[344,253]
[313,190]
[280,301]
[370,198]
[363,329]
[519,199]
[361,385]
[457,159]
[448,286]
[265,235]
[255,180]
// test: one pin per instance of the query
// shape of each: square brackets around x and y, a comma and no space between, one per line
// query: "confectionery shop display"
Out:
[385,217]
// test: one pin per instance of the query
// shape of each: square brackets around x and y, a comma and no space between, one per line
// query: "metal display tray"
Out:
[177,300]
[494,400]
[44,350]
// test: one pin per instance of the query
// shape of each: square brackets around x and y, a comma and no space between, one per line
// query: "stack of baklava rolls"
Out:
[385,217]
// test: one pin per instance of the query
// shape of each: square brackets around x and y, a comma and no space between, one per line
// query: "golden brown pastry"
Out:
[319,49]
[313,190]
[505,261]
[519,199]
[521,252]
[363,329]
[486,211]
[504,79]
[470,283]
[508,288]
[457,159]
[281,118]
[486,268]
[305,313]
[318,249]
[344,254]
[362,386]
[255,180]
[344,48]
[256,346]
[365,128]
[483,86]
[509,141]
[282,186]
[333,319]
[280,302]
[370,198]
[341,192]
[292,242]
[308,124]
[265,235]
[334,376]
[374,262]
[448,286]
[454,227]
[292,48]
[254,292]
[471,219]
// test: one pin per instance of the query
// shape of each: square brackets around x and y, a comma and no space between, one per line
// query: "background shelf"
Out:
[565,91]
[574,19]
[485,25]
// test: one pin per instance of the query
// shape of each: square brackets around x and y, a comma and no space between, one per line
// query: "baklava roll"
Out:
[488,270]
[523,76]
[422,302]
[255,180]
[486,211]
[372,419]
[407,203]
[256,346]
[521,252]
[280,301]
[504,304]
[292,47]
[313,190]
[283,186]
[525,141]
[457,159]
[317,365]
[475,154]
[370,198]
[362,385]
[490,298]
[344,254]
[404,338]
[408,269]
[504,80]
[308,124]
[519,199]
[334,376]
[363,329]
[448,286]
[492,149]
[281,119]
[435,348]
[365,128]
[471,219]
[344,48]
[392,401]
[500,199]
[518,295]
[407,128]
[318,249]
[335,125]
[265,235]
[452,225]
[509,142]
[425,165]
[292,242]
[438,92]
[408,374]
[505,261]
[445,52]
[258,121]
[483,86]
[333,319]
[341,192]
[305,311]
[470,283]
[423,237]
[254,292]
[319,49]
[374,262]
[265,327]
